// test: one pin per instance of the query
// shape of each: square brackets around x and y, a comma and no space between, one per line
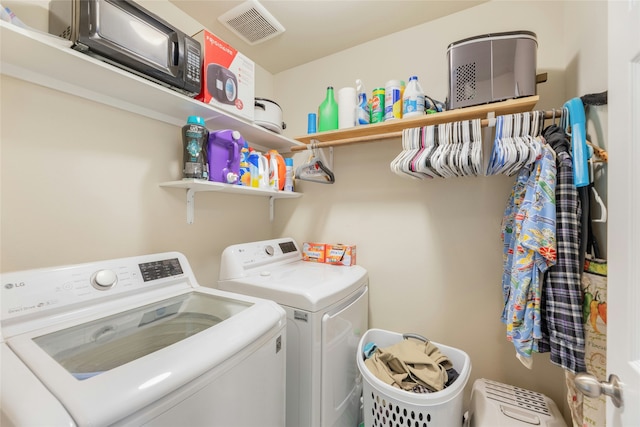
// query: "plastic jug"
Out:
[277,170]
[224,156]
[413,99]
[258,170]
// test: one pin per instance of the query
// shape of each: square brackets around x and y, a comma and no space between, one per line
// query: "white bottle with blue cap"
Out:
[413,99]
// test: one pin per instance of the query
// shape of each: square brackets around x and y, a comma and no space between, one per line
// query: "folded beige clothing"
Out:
[410,363]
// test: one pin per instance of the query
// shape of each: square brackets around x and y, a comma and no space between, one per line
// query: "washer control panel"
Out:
[33,291]
[237,260]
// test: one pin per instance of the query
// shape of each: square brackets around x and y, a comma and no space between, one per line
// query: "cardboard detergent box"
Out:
[228,77]
[314,252]
[340,254]
[337,254]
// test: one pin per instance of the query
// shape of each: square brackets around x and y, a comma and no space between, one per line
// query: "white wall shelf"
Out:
[196,185]
[50,61]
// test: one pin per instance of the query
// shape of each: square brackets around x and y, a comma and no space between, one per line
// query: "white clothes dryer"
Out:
[327,312]
[136,341]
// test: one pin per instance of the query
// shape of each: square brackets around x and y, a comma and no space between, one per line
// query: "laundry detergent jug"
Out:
[277,170]
[258,170]
[224,156]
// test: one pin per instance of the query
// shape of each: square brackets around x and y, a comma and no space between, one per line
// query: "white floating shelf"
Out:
[197,185]
[50,61]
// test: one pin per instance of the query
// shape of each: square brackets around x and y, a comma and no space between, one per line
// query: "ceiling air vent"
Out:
[252,22]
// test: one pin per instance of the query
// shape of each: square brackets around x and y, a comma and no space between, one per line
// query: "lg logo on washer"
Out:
[14,285]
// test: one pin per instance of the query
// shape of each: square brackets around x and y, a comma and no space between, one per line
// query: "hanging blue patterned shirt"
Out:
[529,228]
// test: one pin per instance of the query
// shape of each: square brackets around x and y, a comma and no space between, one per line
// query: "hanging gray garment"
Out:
[410,363]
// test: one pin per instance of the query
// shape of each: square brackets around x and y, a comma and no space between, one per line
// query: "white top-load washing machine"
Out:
[327,312]
[136,341]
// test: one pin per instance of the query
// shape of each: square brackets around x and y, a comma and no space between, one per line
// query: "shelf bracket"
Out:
[272,207]
[190,205]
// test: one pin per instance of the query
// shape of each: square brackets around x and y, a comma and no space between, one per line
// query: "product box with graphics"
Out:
[228,77]
[314,252]
[340,254]
[337,254]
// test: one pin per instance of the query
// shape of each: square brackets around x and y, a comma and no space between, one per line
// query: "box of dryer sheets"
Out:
[340,254]
[228,77]
[314,252]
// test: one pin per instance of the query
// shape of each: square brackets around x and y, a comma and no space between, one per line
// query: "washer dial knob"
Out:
[104,279]
[269,250]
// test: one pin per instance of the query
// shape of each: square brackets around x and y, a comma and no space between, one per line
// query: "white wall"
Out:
[79,182]
[433,248]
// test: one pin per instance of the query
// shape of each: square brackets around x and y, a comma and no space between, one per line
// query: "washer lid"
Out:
[107,367]
[301,284]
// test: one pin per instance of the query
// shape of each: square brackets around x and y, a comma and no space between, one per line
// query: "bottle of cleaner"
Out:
[245,176]
[277,170]
[288,180]
[328,112]
[195,137]
[413,99]
[363,107]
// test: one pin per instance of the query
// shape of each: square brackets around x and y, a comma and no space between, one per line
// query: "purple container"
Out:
[224,156]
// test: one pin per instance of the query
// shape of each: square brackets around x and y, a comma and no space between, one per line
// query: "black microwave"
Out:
[125,34]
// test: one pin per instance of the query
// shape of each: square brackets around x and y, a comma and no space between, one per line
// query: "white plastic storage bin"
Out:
[386,406]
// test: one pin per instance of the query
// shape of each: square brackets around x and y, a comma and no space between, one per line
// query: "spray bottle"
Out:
[363,107]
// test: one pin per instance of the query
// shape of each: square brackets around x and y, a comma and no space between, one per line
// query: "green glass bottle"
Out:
[328,112]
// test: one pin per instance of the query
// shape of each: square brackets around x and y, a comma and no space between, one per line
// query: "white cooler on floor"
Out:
[494,404]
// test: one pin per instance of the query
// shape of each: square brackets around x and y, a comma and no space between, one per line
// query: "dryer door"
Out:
[342,328]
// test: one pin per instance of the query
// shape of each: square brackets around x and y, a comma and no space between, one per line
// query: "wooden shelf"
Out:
[197,185]
[394,128]
[50,61]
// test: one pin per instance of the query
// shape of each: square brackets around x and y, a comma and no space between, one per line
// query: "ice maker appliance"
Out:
[492,67]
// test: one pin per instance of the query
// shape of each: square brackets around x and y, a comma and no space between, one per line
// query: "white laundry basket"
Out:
[386,406]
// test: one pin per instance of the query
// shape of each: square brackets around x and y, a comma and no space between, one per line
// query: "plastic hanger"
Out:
[476,151]
[496,150]
[596,196]
[418,158]
[437,161]
[465,150]
[506,154]
[429,143]
[413,148]
[316,169]
[401,164]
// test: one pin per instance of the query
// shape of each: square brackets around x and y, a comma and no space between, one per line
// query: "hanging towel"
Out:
[410,364]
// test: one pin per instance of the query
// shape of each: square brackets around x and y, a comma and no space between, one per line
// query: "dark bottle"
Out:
[194,139]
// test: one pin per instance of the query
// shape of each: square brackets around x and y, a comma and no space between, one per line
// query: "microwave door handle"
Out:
[174,53]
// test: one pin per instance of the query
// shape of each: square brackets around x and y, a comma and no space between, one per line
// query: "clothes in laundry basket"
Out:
[412,366]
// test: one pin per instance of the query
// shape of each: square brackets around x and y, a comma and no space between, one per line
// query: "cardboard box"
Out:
[228,77]
[340,254]
[314,252]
